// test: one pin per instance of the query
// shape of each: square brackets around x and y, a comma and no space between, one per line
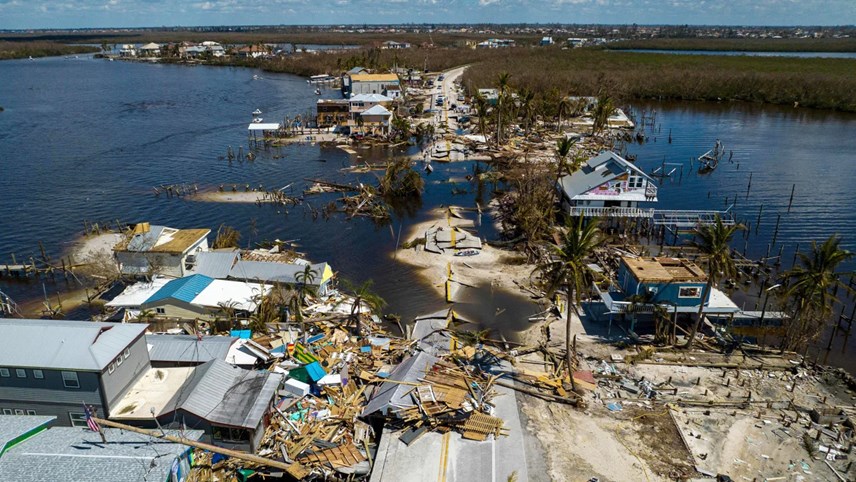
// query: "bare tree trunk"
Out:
[704,294]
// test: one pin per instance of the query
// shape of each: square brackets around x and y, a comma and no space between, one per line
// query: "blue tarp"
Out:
[242,334]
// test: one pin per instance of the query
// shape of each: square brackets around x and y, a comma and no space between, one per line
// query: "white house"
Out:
[150,49]
[363,102]
[606,181]
[151,249]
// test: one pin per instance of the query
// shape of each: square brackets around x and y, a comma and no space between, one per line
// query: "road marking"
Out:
[444,456]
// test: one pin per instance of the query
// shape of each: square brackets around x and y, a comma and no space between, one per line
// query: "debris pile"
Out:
[346,377]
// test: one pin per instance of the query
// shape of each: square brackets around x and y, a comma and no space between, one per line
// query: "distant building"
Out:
[496,43]
[606,181]
[53,367]
[33,449]
[393,45]
[253,51]
[377,120]
[576,42]
[546,41]
[362,102]
[331,112]
[371,83]
[490,95]
[152,249]
[150,50]
[128,51]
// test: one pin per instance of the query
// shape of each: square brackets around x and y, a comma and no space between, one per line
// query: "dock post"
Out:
[749,186]
[776,231]
[796,253]
[758,222]
[791,201]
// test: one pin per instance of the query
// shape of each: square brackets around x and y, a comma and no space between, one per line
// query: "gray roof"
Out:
[391,396]
[145,241]
[429,331]
[62,344]
[214,264]
[14,426]
[188,348]
[73,454]
[273,272]
[223,394]
[589,177]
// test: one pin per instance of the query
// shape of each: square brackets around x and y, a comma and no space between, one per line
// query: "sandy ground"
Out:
[85,248]
[251,197]
[492,266]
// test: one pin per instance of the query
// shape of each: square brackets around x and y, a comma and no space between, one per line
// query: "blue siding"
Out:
[666,292]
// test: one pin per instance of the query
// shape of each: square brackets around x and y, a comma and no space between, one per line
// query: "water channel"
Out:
[88,139]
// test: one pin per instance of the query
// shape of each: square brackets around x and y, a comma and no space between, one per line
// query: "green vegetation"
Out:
[812,286]
[741,45]
[810,82]
[23,50]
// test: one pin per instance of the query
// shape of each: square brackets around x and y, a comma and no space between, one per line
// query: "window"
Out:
[31,412]
[77,419]
[127,352]
[228,434]
[69,380]
[18,411]
[38,374]
[4,372]
[689,292]
[7,411]
[111,368]
[20,373]
[118,360]
[160,311]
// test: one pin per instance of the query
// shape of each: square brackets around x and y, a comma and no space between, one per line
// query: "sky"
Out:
[31,14]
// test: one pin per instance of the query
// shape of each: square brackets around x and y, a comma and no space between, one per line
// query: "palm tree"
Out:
[811,287]
[303,286]
[527,107]
[482,109]
[363,295]
[568,268]
[502,88]
[601,113]
[563,149]
[714,244]
[564,104]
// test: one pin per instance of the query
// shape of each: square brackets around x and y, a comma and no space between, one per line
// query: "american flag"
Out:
[89,420]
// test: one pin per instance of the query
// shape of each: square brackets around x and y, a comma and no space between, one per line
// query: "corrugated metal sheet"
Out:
[214,264]
[391,396]
[274,272]
[188,348]
[142,242]
[62,344]
[184,289]
[227,395]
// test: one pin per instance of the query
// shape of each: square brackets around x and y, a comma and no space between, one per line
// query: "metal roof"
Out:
[391,396]
[263,126]
[146,240]
[275,272]
[370,98]
[228,395]
[184,289]
[589,176]
[188,348]
[64,345]
[74,454]
[377,110]
[214,264]
[240,295]
[136,294]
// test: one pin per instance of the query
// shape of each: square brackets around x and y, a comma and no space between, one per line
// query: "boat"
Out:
[429,169]
[710,159]
[257,112]
[317,91]
[467,252]
[257,120]
[256,77]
